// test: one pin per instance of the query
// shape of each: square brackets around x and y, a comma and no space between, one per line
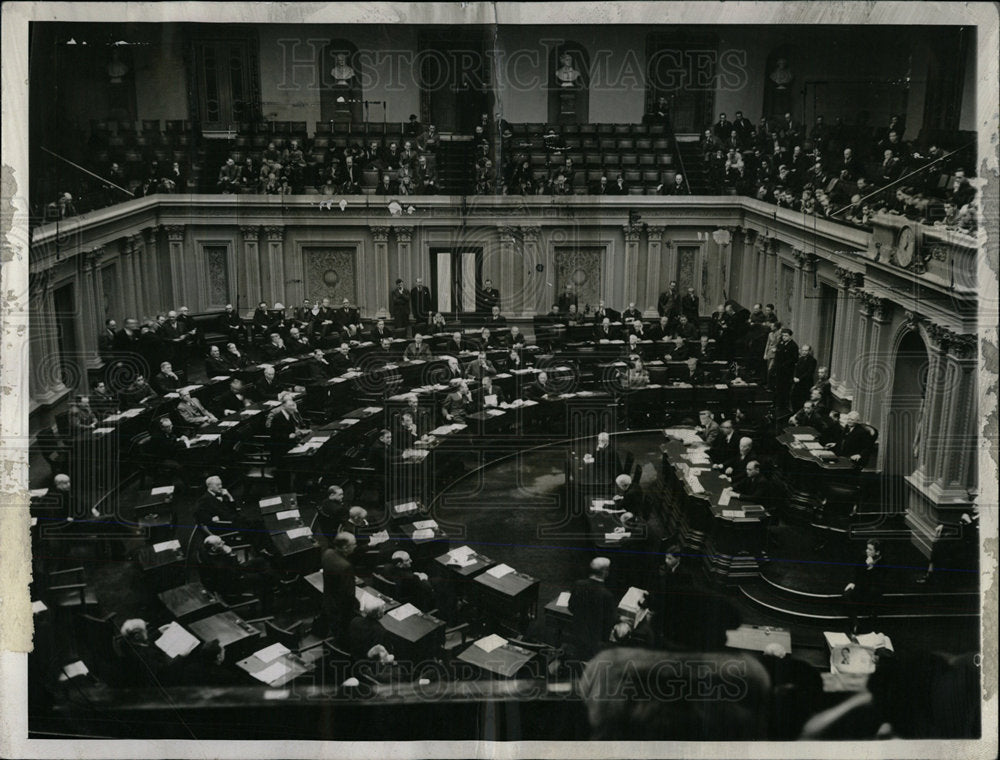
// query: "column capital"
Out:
[632,233]
[275,233]
[654,233]
[93,257]
[766,244]
[380,234]
[849,279]
[250,232]
[175,232]
[531,233]
[958,345]
[403,234]
[149,235]
[135,241]
[804,259]
[749,234]
[507,234]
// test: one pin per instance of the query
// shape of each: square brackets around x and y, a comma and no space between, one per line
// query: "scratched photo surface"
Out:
[499,379]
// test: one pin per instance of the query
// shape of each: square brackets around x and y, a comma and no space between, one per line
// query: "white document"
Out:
[491,642]
[288,514]
[423,533]
[836,639]
[159,490]
[441,430]
[373,409]
[37,493]
[175,641]
[272,673]
[299,532]
[103,430]
[733,513]
[401,613]
[402,509]
[499,571]
[267,654]
[38,606]
[319,440]
[349,422]
[378,538]
[803,436]
[219,378]
[725,497]
[616,536]
[365,599]
[271,502]
[189,388]
[164,546]
[632,598]
[461,553]
[73,670]
[875,641]
[563,600]
[813,445]
[423,524]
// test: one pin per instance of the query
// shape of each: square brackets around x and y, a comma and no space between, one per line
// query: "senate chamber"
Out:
[499,376]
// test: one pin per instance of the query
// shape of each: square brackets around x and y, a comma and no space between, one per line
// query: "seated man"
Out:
[268,387]
[809,416]
[490,395]
[358,526]
[166,380]
[855,443]
[458,403]
[341,360]
[480,367]
[380,454]
[379,333]
[737,466]
[487,339]
[676,350]
[693,373]
[169,449]
[752,487]
[538,389]
[605,331]
[516,337]
[275,349]
[216,508]
[233,400]
[418,350]
[230,323]
[726,445]
[298,343]
[496,319]
[628,496]
[215,364]
[193,412]
[234,358]
[661,330]
[221,571]
[318,369]
[456,344]
[411,587]
[686,329]
[285,425]
[81,417]
[708,429]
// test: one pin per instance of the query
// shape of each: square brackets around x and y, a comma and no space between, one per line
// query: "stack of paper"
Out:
[617,536]
[272,673]
[366,600]
[733,513]
[425,524]
[813,445]
[175,641]
[491,642]
[219,378]
[461,557]
[299,532]
[37,493]
[228,423]
[165,546]
[423,533]
[803,436]
[134,412]
[684,435]
[73,670]
[563,600]
[38,606]
[273,501]
[725,497]
[693,483]
[373,409]
[348,423]
[288,514]
[875,641]
[403,509]
[403,612]
[273,652]
[249,412]
[378,538]
[414,455]
[499,571]
[103,430]
[630,601]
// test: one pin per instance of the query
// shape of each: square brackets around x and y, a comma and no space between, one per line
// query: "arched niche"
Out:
[341,96]
[781,83]
[907,405]
[569,84]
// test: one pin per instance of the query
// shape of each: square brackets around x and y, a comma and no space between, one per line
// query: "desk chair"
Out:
[548,659]
[68,589]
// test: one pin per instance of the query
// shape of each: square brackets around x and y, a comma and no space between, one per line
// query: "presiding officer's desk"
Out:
[813,472]
[730,537]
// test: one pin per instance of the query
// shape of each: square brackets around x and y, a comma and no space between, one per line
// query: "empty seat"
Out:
[632,176]
[572,143]
[579,179]
[657,129]
[651,176]
[592,159]
[534,129]
[557,159]
[643,143]
[647,159]
[540,175]
[281,127]
[321,143]
[538,159]
[571,129]
[611,159]
[588,129]
[626,143]
[176,125]
[369,179]
[637,190]
[589,143]
[323,128]
[622,129]
[605,129]
[297,128]
[607,143]
[341,128]
[640,129]
[594,175]
[242,142]
[665,159]
[630,159]
[661,143]
[668,177]
[150,126]
[576,158]
[319,156]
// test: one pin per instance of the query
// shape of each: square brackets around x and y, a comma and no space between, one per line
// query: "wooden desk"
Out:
[514,596]
[227,627]
[291,663]
[504,661]
[559,617]
[268,505]
[361,590]
[192,601]
[299,554]
[162,569]
[417,637]
[482,562]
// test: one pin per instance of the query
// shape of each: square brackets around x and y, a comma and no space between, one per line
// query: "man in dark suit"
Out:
[693,373]
[723,128]
[268,387]
[628,495]
[602,312]
[169,449]
[341,360]
[539,388]
[380,453]
[737,466]
[809,416]
[339,602]
[275,349]
[411,587]
[346,316]
[380,332]
[743,127]
[496,319]
[490,395]
[456,344]
[786,356]
[686,329]
[216,507]
[297,343]
[233,400]
[166,380]
[726,445]
[420,301]
[604,331]
[106,340]
[489,297]
[631,313]
[594,609]
[689,306]
[753,486]
[127,339]
[318,369]
[399,306]
[215,364]
[604,461]
[804,375]
[567,297]
[285,426]
[856,443]
[668,305]
[458,403]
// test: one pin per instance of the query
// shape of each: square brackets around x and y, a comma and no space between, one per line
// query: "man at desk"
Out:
[339,601]
[235,399]
[275,349]
[605,331]
[855,443]
[488,340]
[660,330]
[380,453]
[380,332]
[490,395]
[726,445]
[81,417]
[285,425]
[752,487]
[318,369]
[234,358]
[341,360]
[215,364]
[222,571]
[737,466]
[594,609]
[480,367]
[604,460]
[268,387]
[417,350]
[676,351]
[68,505]
[456,344]
[496,319]
[693,374]
[411,587]
[298,344]
[458,403]
[216,508]
[809,416]
[166,380]
[708,428]
[193,412]
[516,337]
[603,312]
[686,329]
[539,389]
[628,495]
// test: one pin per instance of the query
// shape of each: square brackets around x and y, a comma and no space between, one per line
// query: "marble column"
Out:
[631,285]
[511,293]
[151,259]
[380,286]
[649,294]
[137,252]
[178,271]
[127,277]
[404,259]
[807,298]
[45,374]
[250,283]
[749,292]
[91,322]
[274,264]
[538,298]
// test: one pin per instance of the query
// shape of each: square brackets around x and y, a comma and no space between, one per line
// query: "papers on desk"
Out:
[699,456]
[875,641]
[684,435]
[803,436]
[188,388]
[721,386]
[272,402]
[404,509]
[733,513]
[563,599]
[414,455]
[229,423]
[103,430]
[425,524]
[403,612]
[348,423]
[206,438]
[288,514]
[378,538]
[725,497]
[161,490]
[305,448]
[219,378]
[813,445]
[372,409]
[299,532]
[824,454]
[365,599]
[134,412]
[165,546]
[113,417]
[461,557]
[491,642]
[273,652]
[250,412]
[617,535]
[175,641]
[499,571]
[423,533]
[836,639]
[691,478]
[37,493]
[73,670]
[272,673]
[271,502]
[630,601]
[494,412]
[37,607]
[442,430]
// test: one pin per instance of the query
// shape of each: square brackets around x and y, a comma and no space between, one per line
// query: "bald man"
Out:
[595,611]
[856,443]
[411,586]
[339,602]
[216,508]
[628,496]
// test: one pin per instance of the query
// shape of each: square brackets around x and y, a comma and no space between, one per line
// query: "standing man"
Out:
[399,306]
[420,301]
[490,297]
[339,601]
[567,298]
[786,356]
[668,304]
[803,378]
[689,306]
[594,611]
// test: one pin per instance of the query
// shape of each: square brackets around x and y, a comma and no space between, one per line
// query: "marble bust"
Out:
[782,75]
[566,74]
[342,72]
